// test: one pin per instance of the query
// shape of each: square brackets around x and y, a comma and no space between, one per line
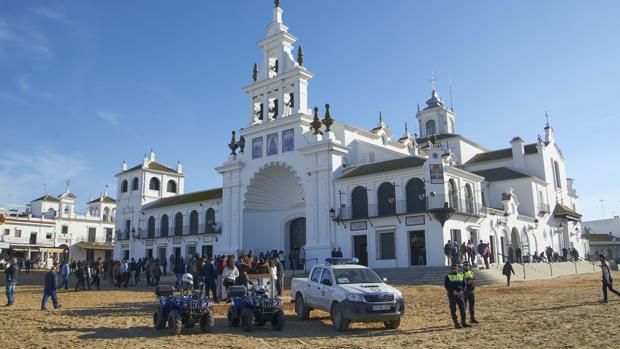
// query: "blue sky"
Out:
[85,85]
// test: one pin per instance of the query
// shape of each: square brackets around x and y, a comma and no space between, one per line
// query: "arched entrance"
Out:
[274,210]
[64,256]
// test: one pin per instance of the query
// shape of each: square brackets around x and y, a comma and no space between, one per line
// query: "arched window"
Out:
[469,199]
[154,184]
[193,222]
[134,183]
[431,128]
[210,221]
[178,224]
[416,195]
[164,225]
[171,187]
[106,214]
[386,199]
[150,228]
[359,203]
[124,186]
[453,194]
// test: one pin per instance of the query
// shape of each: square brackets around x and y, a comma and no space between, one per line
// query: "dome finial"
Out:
[277,3]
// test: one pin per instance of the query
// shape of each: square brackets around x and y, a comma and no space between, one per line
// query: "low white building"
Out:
[49,229]
[603,236]
[295,179]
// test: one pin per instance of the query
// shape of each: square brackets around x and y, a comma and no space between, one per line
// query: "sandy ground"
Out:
[558,313]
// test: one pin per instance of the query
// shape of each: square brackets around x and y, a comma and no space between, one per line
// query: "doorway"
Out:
[177,252]
[207,250]
[161,254]
[492,246]
[417,247]
[503,247]
[297,233]
[149,253]
[360,248]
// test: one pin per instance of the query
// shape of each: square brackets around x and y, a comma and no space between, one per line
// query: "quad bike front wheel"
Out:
[159,322]
[277,322]
[233,320]
[207,321]
[174,323]
[247,319]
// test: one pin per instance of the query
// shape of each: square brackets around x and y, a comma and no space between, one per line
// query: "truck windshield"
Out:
[356,276]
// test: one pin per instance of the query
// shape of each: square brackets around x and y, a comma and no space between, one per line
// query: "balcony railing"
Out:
[463,206]
[201,229]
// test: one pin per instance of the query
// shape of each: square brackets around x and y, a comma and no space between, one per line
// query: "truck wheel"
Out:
[303,313]
[392,324]
[233,320]
[247,319]
[174,322]
[207,321]
[277,322]
[338,321]
[158,319]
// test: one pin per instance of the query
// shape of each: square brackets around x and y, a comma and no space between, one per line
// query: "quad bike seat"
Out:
[164,291]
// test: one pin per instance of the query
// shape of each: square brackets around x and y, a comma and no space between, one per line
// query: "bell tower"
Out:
[436,119]
[280,83]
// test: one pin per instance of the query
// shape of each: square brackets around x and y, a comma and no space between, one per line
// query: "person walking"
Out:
[230,274]
[209,272]
[125,274]
[454,284]
[50,288]
[484,253]
[518,255]
[80,274]
[471,255]
[11,281]
[469,295]
[506,271]
[147,270]
[280,276]
[65,271]
[179,270]
[164,264]
[606,278]
[155,272]
[447,250]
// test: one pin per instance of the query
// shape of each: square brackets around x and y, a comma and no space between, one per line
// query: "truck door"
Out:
[313,287]
[326,290]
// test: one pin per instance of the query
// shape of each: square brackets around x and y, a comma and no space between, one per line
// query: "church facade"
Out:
[304,180]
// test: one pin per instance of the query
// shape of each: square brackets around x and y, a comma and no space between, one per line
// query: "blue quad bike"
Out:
[252,308]
[183,310]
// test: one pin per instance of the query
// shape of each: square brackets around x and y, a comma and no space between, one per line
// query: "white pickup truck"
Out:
[349,292]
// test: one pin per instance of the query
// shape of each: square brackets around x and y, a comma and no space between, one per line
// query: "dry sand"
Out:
[558,313]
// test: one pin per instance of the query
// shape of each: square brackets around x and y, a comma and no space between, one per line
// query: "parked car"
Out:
[349,292]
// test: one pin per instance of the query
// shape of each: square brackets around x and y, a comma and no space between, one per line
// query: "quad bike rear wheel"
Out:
[159,322]
[277,322]
[174,323]
[247,319]
[233,320]
[207,321]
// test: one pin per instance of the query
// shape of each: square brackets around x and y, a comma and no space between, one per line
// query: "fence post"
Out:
[523,265]
[551,268]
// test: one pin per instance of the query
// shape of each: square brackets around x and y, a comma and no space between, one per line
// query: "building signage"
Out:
[177,240]
[288,140]
[414,220]
[207,238]
[436,173]
[361,225]
[272,144]
[149,243]
[257,147]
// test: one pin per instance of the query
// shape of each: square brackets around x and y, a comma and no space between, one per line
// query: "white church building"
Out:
[297,177]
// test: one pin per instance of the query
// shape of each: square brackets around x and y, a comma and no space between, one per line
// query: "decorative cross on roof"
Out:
[433,81]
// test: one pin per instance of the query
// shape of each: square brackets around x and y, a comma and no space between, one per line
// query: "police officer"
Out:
[470,285]
[455,285]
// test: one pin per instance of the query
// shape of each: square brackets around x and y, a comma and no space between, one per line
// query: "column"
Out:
[281,105]
[266,106]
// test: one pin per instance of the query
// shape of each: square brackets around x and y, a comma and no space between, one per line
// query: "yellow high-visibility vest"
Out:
[455,277]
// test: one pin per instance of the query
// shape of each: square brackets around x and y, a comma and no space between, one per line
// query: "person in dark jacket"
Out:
[50,288]
[80,274]
[606,278]
[280,274]
[469,295]
[179,270]
[209,272]
[11,282]
[455,286]
[506,271]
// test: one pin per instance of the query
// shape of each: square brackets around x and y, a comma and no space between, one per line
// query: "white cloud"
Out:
[23,42]
[22,174]
[49,13]
[110,117]
[24,85]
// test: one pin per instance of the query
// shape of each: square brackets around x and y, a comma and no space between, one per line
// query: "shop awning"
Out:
[51,249]
[561,211]
[95,246]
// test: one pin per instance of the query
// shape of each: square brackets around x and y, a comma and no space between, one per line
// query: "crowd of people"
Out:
[457,254]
